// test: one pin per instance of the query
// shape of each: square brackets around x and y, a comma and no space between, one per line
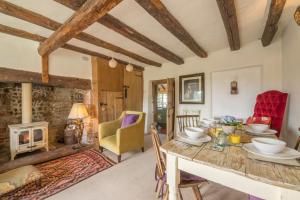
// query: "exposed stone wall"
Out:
[51,104]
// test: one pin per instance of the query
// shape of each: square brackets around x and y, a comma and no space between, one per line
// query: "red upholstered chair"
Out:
[271,104]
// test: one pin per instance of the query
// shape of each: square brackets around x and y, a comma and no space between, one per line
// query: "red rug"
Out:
[62,173]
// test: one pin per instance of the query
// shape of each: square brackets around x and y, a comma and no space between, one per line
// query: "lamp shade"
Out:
[129,67]
[112,63]
[78,111]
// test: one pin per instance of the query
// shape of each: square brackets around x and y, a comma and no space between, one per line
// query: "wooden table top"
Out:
[234,159]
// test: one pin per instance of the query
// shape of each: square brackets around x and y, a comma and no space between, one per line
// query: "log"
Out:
[20,76]
[41,157]
[38,38]
[228,13]
[45,68]
[271,27]
[159,12]
[88,13]
[120,27]
[40,20]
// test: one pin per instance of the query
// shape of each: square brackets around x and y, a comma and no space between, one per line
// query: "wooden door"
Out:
[111,105]
[133,90]
[171,108]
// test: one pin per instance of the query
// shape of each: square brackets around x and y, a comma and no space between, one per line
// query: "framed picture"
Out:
[191,89]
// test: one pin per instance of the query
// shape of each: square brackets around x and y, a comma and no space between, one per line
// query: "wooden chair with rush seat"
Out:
[187,180]
[187,120]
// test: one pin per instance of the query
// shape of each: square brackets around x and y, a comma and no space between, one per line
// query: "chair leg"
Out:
[159,187]
[179,194]
[143,150]
[101,149]
[166,197]
[119,158]
[197,193]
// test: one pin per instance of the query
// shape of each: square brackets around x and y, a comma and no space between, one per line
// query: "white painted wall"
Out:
[252,54]
[291,79]
[19,53]
[239,105]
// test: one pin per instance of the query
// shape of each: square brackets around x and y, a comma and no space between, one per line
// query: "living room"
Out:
[97,98]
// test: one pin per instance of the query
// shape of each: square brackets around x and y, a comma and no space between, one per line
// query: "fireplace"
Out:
[28,136]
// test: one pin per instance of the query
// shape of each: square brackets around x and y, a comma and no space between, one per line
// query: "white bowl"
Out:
[194,132]
[268,145]
[228,129]
[259,128]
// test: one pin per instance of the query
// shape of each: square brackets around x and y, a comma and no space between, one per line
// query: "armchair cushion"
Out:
[129,119]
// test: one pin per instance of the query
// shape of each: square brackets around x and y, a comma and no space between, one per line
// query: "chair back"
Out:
[271,104]
[187,120]
[297,143]
[160,160]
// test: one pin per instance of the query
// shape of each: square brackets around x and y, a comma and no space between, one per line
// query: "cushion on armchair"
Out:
[129,119]
[18,177]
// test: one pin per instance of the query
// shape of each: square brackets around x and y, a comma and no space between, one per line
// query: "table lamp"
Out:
[78,113]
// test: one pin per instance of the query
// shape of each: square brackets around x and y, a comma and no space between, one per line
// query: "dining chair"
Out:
[186,180]
[187,120]
[298,142]
[271,104]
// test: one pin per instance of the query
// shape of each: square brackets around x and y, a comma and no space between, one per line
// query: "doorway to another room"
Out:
[161,107]
[163,92]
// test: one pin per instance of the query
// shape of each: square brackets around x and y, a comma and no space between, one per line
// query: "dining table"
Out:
[232,168]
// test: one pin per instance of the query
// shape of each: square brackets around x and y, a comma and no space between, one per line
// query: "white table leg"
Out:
[173,176]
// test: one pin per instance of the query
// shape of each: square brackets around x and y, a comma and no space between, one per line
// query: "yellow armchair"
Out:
[121,140]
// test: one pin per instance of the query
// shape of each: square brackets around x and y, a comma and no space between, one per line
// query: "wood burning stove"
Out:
[28,137]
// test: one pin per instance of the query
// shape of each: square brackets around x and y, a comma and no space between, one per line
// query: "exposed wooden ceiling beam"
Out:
[88,13]
[228,13]
[113,23]
[35,18]
[271,27]
[45,68]
[38,38]
[157,9]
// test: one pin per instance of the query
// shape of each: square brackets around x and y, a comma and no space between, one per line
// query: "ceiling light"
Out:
[112,63]
[297,16]
[129,67]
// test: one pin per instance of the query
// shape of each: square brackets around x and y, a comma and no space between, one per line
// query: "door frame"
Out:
[170,108]
[155,83]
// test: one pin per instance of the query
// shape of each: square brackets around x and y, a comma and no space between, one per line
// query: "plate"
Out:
[198,142]
[252,132]
[287,153]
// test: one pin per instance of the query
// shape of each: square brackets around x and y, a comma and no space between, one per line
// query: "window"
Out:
[162,100]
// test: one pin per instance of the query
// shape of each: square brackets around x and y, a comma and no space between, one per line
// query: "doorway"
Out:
[163,93]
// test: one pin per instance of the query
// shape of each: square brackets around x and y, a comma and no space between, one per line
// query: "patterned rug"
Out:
[60,174]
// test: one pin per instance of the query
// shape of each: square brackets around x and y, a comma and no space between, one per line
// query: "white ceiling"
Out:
[201,18]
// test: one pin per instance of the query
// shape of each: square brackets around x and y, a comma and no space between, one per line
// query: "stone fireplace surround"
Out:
[49,103]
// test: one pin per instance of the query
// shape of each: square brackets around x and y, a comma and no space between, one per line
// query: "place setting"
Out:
[259,130]
[272,150]
[194,135]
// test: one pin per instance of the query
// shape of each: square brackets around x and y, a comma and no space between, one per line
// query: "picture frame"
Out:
[192,89]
